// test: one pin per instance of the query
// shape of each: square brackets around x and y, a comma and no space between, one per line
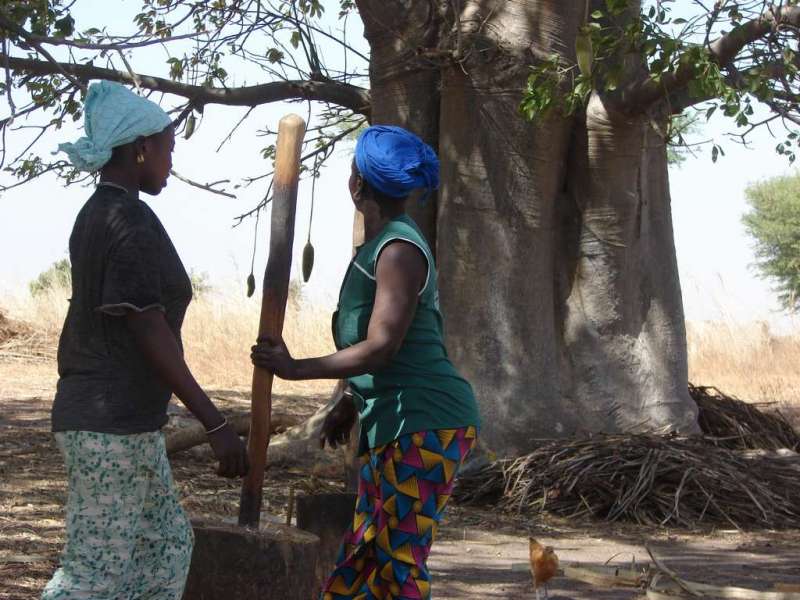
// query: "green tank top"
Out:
[420,389]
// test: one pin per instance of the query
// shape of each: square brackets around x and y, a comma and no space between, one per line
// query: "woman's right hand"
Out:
[230,451]
[337,425]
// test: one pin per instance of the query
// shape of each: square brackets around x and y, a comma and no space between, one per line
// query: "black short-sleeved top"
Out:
[122,260]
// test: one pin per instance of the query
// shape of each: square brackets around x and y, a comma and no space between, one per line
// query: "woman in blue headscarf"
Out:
[119,361]
[418,416]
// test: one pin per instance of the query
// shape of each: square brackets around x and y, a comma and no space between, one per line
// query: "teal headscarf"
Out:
[113,116]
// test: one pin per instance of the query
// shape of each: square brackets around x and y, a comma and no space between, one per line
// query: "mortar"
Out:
[232,562]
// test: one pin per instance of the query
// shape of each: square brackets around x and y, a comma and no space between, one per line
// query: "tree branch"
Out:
[325,150]
[726,47]
[9,25]
[111,45]
[208,187]
[641,94]
[681,99]
[349,96]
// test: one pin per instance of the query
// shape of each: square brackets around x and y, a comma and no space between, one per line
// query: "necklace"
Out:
[112,185]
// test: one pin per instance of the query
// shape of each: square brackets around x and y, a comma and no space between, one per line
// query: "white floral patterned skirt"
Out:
[127,535]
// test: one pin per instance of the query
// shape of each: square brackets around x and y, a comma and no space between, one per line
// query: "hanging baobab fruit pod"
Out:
[308,250]
[308,260]
[251,285]
[190,125]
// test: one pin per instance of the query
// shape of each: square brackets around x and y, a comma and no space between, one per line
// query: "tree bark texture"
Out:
[623,328]
[554,243]
[407,84]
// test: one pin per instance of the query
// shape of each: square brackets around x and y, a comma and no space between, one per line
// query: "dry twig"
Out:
[645,479]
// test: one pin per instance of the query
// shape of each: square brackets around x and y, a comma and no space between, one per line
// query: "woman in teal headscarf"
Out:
[119,361]
[418,416]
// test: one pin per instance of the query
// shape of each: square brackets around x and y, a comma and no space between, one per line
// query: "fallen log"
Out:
[293,441]
[300,444]
[310,429]
[194,435]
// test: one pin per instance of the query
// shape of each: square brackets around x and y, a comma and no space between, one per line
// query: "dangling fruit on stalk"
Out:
[308,261]
[190,125]
[251,285]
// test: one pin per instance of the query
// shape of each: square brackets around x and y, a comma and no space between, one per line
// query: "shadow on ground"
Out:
[480,554]
[477,563]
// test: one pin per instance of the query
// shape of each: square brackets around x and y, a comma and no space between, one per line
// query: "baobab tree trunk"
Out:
[405,86]
[501,181]
[554,243]
[623,329]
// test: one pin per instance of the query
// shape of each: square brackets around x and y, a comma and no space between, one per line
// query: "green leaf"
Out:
[65,26]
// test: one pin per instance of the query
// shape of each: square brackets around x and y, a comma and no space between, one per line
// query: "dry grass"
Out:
[219,331]
[217,334]
[747,361]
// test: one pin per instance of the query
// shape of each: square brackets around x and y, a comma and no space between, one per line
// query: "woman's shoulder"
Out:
[121,210]
[397,230]
[112,215]
[403,229]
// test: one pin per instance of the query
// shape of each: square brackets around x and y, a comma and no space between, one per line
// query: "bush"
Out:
[57,277]
[200,283]
[774,224]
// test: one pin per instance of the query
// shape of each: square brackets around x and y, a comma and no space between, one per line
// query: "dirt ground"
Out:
[479,555]
[490,562]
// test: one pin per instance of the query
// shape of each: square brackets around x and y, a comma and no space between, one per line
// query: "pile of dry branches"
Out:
[658,480]
[738,425]
[646,479]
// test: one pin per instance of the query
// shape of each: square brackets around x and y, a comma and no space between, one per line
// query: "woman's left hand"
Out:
[272,355]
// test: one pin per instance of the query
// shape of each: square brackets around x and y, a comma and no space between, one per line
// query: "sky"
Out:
[715,256]
[36,219]
[200,224]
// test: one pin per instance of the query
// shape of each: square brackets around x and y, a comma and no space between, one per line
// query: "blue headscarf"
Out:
[113,116]
[395,161]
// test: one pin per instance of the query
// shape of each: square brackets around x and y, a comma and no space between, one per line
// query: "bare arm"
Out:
[400,274]
[157,343]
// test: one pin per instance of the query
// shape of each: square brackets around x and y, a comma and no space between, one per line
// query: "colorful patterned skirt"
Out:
[403,490]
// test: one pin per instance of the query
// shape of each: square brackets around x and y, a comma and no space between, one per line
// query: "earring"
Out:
[140,158]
